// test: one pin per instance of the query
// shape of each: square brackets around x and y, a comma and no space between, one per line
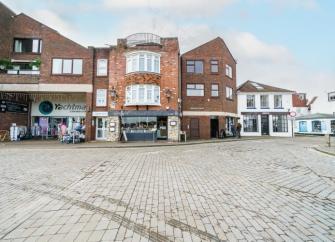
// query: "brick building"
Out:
[136,85]
[209,101]
[45,78]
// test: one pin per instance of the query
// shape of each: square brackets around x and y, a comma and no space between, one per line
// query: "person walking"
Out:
[238,130]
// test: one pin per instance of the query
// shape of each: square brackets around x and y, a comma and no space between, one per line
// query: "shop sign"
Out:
[99,114]
[13,107]
[58,109]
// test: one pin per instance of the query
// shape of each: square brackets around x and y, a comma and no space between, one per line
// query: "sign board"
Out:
[58,109]
[99,114]
[293,114]
[331,97]
[13,107]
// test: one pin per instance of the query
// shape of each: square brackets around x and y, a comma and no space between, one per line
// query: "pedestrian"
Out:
[238,130]
[233,130]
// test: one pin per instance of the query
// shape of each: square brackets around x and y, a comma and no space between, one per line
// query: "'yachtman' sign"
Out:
[58,109]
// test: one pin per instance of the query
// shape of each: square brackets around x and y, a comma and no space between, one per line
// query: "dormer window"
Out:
[143,61]
[27,46]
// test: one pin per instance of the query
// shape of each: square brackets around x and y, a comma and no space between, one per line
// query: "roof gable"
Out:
[251,86]
[217,40]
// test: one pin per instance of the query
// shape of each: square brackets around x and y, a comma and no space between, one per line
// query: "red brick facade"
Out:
[215,50]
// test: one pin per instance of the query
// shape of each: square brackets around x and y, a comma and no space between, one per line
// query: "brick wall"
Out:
[168,78]
[213,50]
[5,30]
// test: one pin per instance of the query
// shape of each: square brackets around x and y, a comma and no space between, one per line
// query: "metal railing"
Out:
[23,72]
[143,38]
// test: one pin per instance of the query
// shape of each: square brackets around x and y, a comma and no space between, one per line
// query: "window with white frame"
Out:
[101,98]
[102,67]
[214,66]
[251,101]
[143,62]
[195,90]
[229,93]
[215,90]
[264,101]
[229,71]
[142,95]
[280,123]
[278,101]
[67,66]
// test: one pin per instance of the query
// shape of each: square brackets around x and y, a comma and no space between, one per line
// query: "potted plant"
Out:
[5,64]
[35,64]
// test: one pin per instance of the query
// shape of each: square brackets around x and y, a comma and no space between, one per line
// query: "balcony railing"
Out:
[23,72]
[143,38]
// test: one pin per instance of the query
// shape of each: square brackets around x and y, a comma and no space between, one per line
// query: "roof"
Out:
[316,116]
[210,42]
[251,86]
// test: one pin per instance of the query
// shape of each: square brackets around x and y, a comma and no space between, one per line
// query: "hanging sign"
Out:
[13,107]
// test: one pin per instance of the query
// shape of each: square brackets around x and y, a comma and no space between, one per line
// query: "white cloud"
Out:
[281,4]
[185,7]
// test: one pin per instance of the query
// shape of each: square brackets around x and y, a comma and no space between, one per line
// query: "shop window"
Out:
[229,93]
[101,97]
[332,126]
[143,62]
[302,126]
[316,126]
[214,66]
[67,66]
[195,90]
[215,90]
[102,67]
[280,123]
[229,71]
[250,123]
[27,45]
[278,101]
[264,101]
[251,101]
[195,66]
[142,95]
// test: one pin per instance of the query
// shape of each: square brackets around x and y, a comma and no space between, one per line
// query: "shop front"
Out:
[50,118]
[144,125]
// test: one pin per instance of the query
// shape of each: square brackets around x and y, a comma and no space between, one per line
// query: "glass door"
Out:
[101,129]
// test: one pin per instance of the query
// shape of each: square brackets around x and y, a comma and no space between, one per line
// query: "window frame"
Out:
[246,121]
[62,73]
[98,102]
[133,62]
[279,125]
[194,65]
[268,101]
[132,95]
[313,127]
[39,46]
[230,97]
[214,65]
[195,88]
[254,101]
[229,71]
[281,101]
[217,90]
[98,67]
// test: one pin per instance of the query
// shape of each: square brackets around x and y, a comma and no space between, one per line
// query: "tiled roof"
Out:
[251,86]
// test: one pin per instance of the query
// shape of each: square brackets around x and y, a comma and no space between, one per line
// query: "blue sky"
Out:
[287,43]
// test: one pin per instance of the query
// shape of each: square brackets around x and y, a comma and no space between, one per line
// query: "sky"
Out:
[285,43]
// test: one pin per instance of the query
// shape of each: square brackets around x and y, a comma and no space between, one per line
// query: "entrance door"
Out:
[194,128]
[101,129]
[265,124]
[214,127]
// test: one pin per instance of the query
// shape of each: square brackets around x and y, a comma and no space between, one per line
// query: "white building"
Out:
[318,124]
[264,110]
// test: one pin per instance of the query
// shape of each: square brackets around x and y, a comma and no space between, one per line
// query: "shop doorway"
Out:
[194,128]
[162,129]
[265,124]
[214,127]
[101,129]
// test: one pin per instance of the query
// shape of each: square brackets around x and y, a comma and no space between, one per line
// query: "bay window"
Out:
[143,62]
[142,95]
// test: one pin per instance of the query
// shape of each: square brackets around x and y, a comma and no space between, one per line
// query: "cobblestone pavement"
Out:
[262,190]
